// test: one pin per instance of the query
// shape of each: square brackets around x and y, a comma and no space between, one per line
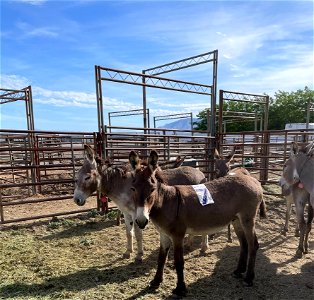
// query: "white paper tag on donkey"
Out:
[203,194]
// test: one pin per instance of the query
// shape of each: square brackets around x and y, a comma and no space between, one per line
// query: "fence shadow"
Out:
[82,280]
[269,282]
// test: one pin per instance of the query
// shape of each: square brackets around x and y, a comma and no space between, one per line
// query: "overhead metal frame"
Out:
[208,57]
[240,116]
[149,78]
[174,116]
[10,95]
[126,113]
[262,100]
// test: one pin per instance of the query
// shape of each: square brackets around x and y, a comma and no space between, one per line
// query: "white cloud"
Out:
[63,98]
[14,82]
[30,31]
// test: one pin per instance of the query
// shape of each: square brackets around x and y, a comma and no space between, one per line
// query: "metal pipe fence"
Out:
[37,168]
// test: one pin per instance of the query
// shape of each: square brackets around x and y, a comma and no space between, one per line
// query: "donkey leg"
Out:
[119,217]
[129,235]
[189,241]
[139,240]
[249,230]
[229,234]
[241,268]
[204,244]
[288,213]
[302,226]
[165,244]
[180,289]
[310,213]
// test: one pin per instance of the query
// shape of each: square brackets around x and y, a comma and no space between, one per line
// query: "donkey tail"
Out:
[262,209]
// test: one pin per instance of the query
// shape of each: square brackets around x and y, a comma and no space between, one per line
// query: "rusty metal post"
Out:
[144,112]
[1,209]
[265,158]
[266,113]
[213,95]
[100,108]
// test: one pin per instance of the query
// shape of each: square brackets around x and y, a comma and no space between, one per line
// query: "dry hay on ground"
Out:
[82,259]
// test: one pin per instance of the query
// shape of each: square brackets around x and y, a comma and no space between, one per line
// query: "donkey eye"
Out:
[133,189]
[152,190]
[87,177]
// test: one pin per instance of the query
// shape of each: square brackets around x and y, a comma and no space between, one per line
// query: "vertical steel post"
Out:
[144,113]
[109,120]
[148,117]
[213,95]
[191,116]
[213,113]
[144,100]
[266,113]
[1,209]
[100,108]
[308,110]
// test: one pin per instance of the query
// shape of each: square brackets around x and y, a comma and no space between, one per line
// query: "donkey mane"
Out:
[112,176]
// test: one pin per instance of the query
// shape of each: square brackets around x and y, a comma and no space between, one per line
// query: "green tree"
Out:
[290,107]
[284,108]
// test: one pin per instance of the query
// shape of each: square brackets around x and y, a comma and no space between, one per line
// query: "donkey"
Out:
[176,210]
[298,173]
[222,165]
[172,164]
[223,168]
[115,183]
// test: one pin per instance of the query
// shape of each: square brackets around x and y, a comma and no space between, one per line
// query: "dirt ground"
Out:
[82,259]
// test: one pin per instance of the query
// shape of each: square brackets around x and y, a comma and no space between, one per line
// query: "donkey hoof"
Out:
[180,290]
[299,253]
[284,232]
[237,274]
[138,260]
[230,240]
[248,282]
[154,284]
[202,252]
[126,255]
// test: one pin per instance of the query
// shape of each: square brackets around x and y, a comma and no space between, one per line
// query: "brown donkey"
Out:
[115,182]
[176,210]
[223,168]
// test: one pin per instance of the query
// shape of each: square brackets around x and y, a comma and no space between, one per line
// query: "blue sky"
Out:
[264,46]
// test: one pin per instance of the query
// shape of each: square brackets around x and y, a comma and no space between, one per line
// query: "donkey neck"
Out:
[166,203]
[305,169]
[115,183]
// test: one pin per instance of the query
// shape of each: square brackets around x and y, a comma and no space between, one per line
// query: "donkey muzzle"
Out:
[79,201]
[141,223]
[79,197]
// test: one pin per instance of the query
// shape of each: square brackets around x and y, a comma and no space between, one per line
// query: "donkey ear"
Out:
[230,155]
[310,149]
[134,159]
[179,161]
[153,160]
[108,162]
[294,149]
[89,153]
[216,154]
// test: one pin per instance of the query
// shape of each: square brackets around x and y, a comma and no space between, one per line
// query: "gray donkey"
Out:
[116,182]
